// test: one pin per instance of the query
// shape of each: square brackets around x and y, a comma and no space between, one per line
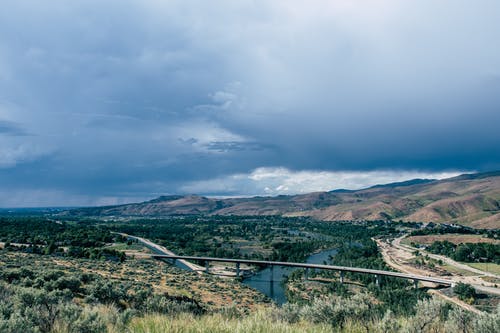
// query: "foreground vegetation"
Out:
[25,310]
[72,276]
[329,315]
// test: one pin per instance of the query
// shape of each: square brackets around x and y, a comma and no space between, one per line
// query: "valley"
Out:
[73,259]
[470,200]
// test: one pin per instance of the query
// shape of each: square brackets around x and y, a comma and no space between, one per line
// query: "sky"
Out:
[115,101]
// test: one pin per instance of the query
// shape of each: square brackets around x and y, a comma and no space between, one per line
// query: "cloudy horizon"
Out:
[121,101]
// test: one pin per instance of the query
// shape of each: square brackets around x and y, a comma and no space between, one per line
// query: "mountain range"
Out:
[469,199]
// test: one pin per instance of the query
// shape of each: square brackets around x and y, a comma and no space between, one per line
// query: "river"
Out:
[269,281]
[273,288]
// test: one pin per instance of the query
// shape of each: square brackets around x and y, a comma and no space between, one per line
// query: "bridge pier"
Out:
[308,267]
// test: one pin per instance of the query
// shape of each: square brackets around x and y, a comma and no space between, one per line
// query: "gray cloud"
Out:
[226,146]
[131,99]
[10,128]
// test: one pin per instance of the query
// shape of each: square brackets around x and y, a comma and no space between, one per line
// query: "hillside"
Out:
[472,199]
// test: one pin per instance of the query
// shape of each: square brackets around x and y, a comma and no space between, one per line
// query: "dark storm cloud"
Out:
[226,146]
[127,99]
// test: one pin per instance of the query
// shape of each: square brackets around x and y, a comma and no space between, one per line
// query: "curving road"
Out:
[397,243]
[396,255]
[163,251]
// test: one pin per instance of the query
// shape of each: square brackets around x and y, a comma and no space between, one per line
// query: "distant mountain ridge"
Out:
[405,183]
[469,199]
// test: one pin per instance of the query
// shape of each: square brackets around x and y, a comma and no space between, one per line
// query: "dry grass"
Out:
[186,323]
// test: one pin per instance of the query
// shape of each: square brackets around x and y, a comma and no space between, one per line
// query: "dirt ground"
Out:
[404,259]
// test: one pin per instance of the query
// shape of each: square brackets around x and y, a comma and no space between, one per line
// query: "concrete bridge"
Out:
[341,269]
[166,254]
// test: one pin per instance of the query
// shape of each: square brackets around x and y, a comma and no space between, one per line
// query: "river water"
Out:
[269,281]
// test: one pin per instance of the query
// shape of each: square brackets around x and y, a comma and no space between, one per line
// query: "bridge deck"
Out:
[314,266]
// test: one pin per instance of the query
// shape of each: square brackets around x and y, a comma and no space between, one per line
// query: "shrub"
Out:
[106,293]
[428,316]
[166,304]
[459,321]
[389,323]
[337,311]
[289,313]
[488,323]
[465,292]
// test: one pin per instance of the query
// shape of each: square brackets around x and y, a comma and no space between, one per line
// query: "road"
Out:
[397,243]
[167,254]
[375,272]
[163,250]
[399,256]
[215,270]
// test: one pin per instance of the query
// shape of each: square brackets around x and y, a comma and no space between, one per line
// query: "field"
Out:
[487,267]
[453,238]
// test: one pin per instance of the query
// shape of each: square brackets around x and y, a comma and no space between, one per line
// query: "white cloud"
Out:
[275,181]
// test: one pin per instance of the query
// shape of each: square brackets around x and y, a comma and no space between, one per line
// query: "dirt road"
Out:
[401,257]
[397,244]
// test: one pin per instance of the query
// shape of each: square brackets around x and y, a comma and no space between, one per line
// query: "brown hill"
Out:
[472,199]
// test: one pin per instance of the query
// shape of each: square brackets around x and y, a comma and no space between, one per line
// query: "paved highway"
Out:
[378,273]
[161,249]
[375,272]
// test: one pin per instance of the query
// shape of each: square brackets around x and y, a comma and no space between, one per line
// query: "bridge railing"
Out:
[375,272]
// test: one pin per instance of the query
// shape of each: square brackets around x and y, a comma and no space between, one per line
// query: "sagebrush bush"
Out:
[429,316]
[336,311]
[31,310]
[488,322]
[388,324]
[165,304]
[459,321]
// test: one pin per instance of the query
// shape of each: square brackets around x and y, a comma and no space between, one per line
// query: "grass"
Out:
[453,238]
[487,267]
[187,323]
[127,247]
[456,270]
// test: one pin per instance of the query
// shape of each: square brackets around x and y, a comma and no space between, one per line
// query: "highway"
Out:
[375,272]
[166,254]
[161,249]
